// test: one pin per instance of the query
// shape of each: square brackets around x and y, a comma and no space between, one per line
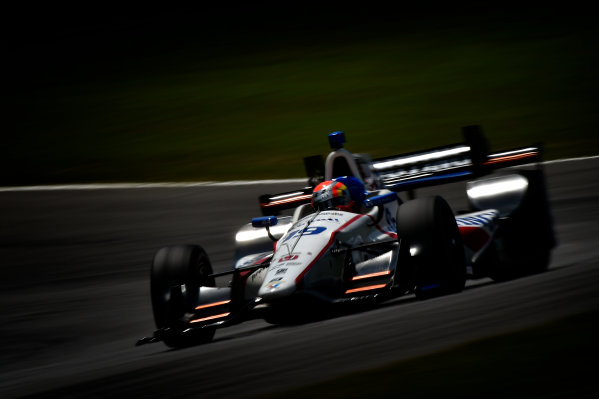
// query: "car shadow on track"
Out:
[257,325]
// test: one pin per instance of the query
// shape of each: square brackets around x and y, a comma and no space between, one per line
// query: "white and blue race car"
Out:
[351,239]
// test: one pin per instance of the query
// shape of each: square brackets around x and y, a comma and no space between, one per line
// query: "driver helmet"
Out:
[343,193]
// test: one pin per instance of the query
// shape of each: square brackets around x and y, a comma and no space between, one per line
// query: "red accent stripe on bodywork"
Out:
[379,228]
[325,249]
[474,237]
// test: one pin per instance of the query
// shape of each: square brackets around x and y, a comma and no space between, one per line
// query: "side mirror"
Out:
[380,200]
[266,221]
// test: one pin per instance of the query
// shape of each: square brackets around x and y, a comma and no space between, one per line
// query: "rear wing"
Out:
[406,172]
[445,164]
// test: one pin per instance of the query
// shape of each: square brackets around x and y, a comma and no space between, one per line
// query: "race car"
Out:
[357,235]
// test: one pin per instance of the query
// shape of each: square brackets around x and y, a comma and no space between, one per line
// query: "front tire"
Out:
[177,273]
[437,258]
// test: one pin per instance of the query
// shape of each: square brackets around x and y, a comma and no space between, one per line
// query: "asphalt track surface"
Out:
[74,295]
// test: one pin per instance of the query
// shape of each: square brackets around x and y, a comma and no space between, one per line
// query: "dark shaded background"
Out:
[56,43]
[111,93]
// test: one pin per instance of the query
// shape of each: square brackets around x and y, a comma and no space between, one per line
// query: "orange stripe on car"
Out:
[218,316]
[368,288]
[287,201]
[210,305]
[371,275]
[510,158]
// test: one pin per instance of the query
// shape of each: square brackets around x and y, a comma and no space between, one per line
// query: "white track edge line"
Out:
[232,183]
[120,186]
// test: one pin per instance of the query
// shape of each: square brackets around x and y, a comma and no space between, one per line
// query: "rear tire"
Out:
[428,226]
[524,240]
[176,275]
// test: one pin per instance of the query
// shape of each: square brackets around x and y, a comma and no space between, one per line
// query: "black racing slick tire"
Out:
[177,273]
[525,239]
[437,258]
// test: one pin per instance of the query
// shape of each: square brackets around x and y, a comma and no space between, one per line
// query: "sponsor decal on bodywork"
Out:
[329,219]
[476,229]
[391,221]
[477,220]
[274,284]
[289,257]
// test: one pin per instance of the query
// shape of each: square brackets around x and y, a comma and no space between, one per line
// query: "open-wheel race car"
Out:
[349,238]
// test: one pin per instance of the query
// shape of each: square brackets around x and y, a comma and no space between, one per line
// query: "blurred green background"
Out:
[243,93]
